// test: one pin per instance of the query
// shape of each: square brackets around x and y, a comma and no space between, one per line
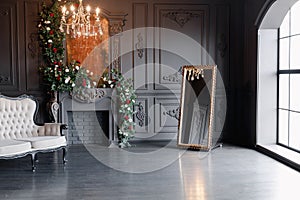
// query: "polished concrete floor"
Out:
[224,173]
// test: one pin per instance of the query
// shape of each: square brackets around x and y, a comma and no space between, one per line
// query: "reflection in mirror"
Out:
[197,107]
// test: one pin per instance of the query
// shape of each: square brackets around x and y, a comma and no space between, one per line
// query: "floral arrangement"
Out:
[84,79]
[105,81]
[51,38]
[58,76]
[127,99]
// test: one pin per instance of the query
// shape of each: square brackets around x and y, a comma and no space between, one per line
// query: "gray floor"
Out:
[224,173]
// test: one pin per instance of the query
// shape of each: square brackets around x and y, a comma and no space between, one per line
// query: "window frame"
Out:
[289,72]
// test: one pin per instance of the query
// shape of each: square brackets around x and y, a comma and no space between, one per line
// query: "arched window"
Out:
[289,79]
[278,81]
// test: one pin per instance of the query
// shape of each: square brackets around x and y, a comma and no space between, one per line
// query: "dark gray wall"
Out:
[19,52]
[231,39]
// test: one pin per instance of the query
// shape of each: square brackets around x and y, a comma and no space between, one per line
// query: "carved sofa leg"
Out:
[33,159]
[64,155]
[36,158]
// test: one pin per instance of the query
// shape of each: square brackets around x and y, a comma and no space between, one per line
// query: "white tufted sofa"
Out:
[20,136]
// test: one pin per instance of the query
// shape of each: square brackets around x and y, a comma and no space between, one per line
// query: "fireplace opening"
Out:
[88,127]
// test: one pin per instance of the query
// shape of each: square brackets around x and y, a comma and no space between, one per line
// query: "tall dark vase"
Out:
[53,106]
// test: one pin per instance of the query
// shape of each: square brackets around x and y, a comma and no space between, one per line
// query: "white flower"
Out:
[130,120]
[77,67]
[50,41]
[56,66]
[48,28]
[88,86]
[111,86]
[91,73]
[109,82]
[104,86]
[87,71]
[47,22]
[67,70]
[95,83]
[73,84]
[67,79]
[39,25]
[104,78]
[128,108]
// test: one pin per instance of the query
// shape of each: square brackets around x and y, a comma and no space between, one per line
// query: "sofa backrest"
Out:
[17,117]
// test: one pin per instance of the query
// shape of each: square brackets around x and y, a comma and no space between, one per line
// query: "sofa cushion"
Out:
[12,147]
[44,142]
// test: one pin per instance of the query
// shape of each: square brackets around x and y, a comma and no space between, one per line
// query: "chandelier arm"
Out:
[80,21]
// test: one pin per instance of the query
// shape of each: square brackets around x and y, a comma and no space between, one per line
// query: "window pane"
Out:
[284,91]
[283,130]
[295,92]
[295,16]
[285,26]
[294,138]
[284,53]
[295,49]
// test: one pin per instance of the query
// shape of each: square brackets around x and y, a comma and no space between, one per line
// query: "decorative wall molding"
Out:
[139,46]
[3,79]
[173,113]
[89,95]
[116,27]
[33,45]
[175,78]
[140,114]
[116,24]
[116,52]
[116,21]
[181,17]
[3,12]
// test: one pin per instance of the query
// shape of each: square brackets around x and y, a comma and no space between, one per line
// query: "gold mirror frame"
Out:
[197,107]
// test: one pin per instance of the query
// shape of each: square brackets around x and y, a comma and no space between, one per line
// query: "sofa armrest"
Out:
[51,129]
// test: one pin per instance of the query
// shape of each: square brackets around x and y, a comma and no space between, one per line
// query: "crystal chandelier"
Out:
[81,22]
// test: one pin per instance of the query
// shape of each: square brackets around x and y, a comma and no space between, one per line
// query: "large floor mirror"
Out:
[197,107]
